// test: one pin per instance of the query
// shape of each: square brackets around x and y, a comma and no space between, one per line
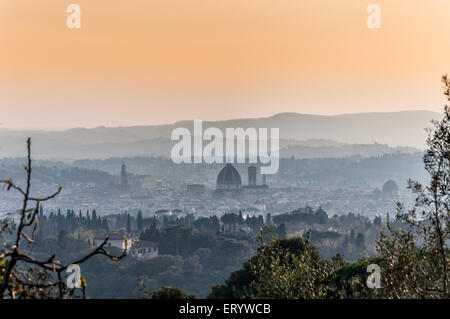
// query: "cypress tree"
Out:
[128,223]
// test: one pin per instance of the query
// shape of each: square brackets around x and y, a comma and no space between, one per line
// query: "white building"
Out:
[115,240]
[144,249]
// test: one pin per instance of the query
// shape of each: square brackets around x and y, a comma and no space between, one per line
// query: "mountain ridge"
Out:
[395,129]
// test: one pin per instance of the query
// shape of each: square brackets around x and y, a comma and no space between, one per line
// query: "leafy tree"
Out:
[172,293]
[281,231]
[94,220]
[62,238]
[43,278]
[348,281]
[139,221]
[282,269]
[360,241]
[128,223]
[415,257]
[228,219]
[236,286]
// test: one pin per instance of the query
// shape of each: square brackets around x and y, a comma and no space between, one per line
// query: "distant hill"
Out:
[313,134]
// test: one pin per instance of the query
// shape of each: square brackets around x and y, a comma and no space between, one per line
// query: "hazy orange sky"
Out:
[151,62]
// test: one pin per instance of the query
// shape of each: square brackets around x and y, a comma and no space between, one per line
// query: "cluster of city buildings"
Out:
[228,193]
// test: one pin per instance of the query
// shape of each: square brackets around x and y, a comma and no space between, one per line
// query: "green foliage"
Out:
[415,258]
[289,269]
[172,293]
[281,268]
[404,266]
[305,215]
[139,222]
[348,281]
[236,286]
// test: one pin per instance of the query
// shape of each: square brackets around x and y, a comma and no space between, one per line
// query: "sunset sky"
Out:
[139,62]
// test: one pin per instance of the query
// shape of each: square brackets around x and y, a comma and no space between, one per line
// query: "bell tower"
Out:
[252,176]
[123,178]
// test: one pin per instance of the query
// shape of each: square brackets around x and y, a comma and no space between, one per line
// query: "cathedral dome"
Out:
[228,178]
[390,188]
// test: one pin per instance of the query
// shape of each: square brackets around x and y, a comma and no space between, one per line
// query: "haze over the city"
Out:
[158,62]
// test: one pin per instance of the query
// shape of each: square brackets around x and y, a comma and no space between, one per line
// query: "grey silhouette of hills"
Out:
[311,135]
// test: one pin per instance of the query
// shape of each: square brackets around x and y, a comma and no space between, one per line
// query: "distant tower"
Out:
[123,178]
[264,179]
[252,176]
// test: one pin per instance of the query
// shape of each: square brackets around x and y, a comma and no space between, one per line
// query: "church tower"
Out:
[123,178]
[252,176]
